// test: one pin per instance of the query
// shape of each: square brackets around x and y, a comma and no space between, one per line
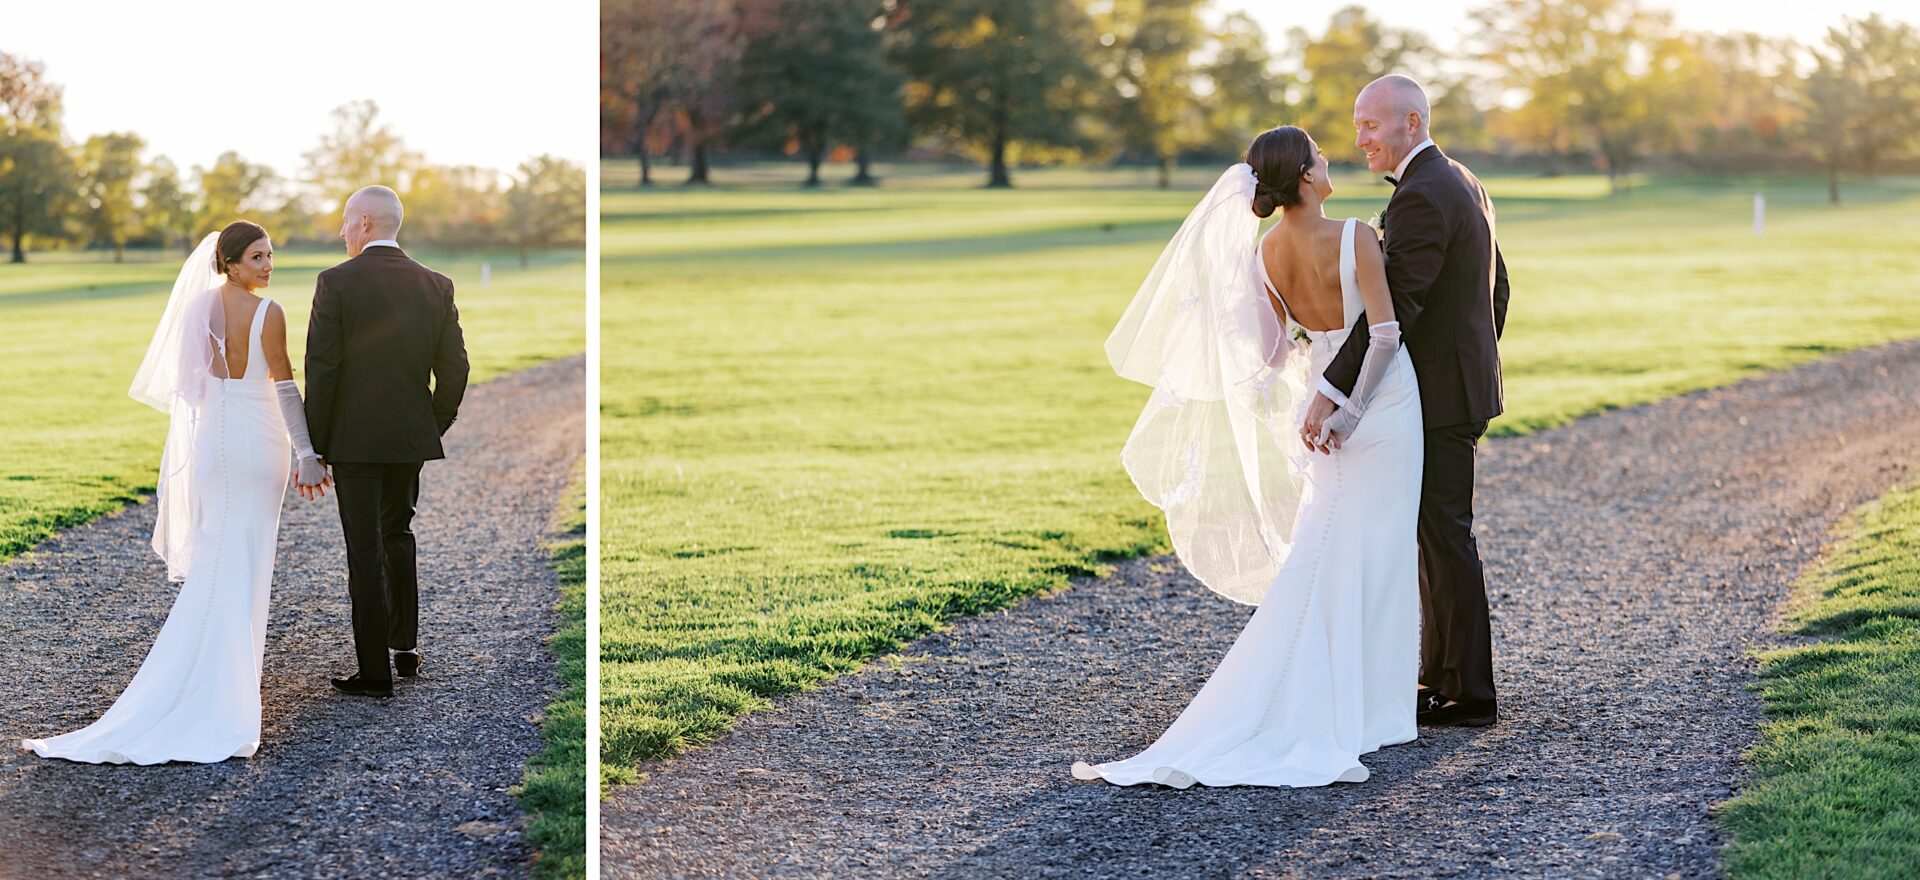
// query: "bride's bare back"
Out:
[237,308]
[1302,260]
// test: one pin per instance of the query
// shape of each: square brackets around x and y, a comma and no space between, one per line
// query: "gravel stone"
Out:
[342,786]
[1634,559]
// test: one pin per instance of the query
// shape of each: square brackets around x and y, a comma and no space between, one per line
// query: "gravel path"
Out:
[415,786]
[1634,557]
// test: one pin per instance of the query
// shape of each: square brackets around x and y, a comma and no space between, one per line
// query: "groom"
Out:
[381,325]
[1449,287]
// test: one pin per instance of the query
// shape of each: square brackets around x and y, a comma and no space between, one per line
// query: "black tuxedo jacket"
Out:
[1449,287]
[381,325]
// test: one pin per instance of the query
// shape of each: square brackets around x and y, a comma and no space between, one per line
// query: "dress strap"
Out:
[253,335]
[1350,304]
[259,319]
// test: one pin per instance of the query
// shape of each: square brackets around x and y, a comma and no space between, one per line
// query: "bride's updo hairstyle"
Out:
[233,242]
[1279,157]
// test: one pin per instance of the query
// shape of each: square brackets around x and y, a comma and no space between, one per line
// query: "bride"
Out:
[1317,530]
[218,367]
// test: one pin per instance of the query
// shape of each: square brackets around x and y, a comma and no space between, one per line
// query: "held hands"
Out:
[1315,432]
[313,478]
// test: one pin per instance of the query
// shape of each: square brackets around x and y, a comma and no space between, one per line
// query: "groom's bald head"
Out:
[371,214]
[381,207]
[1389,119]
[1398,98]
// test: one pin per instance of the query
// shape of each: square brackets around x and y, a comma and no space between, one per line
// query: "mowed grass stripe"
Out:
[1836,781]
[833,419]
[74,446]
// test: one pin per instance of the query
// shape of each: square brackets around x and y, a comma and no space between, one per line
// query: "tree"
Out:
[1244,92]
[1862,97]
[877,134]
[994,74]
[36,186]
[230,190]
[109,163]
[455,205]
[1754,103]
[360,151]
[815,73]
[874,134]
[36,171]
[1149,63]
[170,211]
[547,204]
[289,216]
[638,46]
[706,98]
[1615,72]
[1354,50]
[1879,56]
[668,71]
[1832,100]
[1461,109]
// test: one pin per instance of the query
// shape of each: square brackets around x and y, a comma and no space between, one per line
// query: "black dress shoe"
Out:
[362,687]
[1438,711]
[407,663]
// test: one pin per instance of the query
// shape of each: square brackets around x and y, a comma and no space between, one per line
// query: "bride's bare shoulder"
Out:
[1264,247]
[1326,229]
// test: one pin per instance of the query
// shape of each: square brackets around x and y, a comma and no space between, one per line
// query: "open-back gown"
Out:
[196,696]
[1326,669]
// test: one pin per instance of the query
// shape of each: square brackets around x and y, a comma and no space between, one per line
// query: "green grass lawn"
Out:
[832,419]
[555,790]
[1836,782]
[74,446]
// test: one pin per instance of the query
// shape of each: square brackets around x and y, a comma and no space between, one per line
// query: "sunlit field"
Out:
[833,418]
[75,446]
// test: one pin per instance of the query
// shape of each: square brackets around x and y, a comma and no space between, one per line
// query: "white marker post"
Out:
[1759,215]
[486,274]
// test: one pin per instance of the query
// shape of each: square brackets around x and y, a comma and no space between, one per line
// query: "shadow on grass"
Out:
[670,215]
[1836,780]
[78,293]
[912,250]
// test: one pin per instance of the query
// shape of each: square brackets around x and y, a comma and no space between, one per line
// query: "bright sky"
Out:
[476,83]
[1446,22]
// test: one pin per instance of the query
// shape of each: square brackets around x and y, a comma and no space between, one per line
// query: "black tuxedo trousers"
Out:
[376,513]
[1456,638]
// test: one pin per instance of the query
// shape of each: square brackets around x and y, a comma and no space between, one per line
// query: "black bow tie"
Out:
[1390,179]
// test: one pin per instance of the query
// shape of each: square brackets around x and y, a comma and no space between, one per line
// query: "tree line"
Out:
[105,192]
[1561,85]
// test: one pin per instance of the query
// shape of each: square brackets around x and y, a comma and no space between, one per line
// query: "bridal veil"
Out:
[187,353]
[1215,448]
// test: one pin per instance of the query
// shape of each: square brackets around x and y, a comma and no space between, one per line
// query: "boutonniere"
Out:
[1378,223]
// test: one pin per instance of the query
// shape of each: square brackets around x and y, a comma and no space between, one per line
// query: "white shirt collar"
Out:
[388,242]
[1401,171]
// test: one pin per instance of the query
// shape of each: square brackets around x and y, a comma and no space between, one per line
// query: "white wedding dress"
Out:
[196,696]
[1327,668]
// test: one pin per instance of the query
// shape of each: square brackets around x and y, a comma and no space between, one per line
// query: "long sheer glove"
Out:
[311,471]
[1383,341]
